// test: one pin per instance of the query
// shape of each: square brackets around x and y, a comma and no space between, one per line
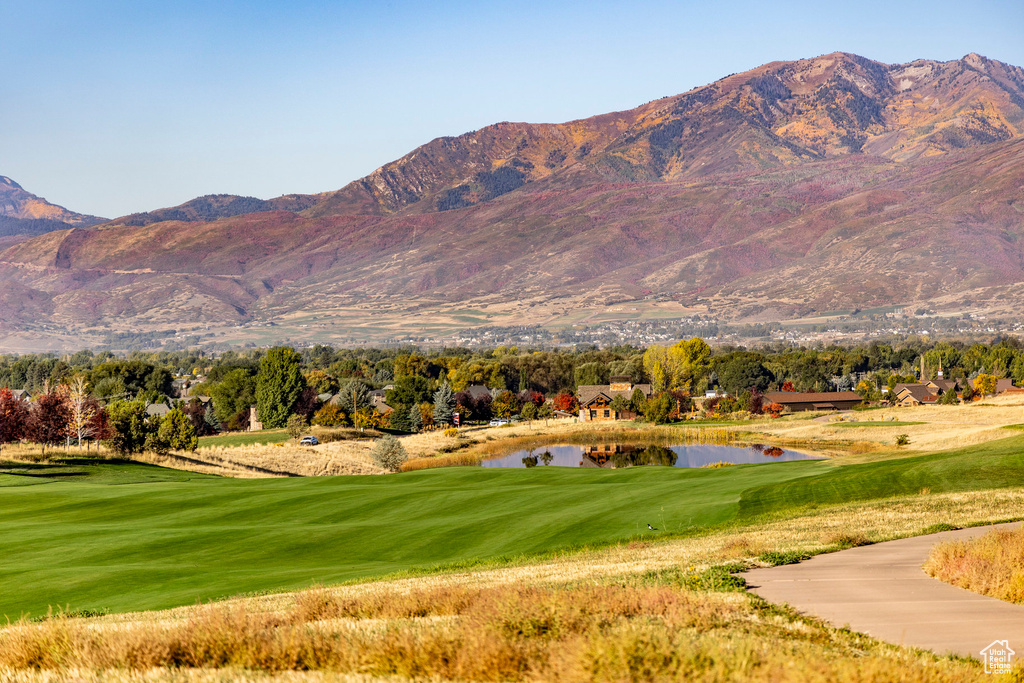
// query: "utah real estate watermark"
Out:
[998,657]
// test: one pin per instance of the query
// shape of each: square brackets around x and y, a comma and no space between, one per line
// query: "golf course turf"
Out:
[121,536]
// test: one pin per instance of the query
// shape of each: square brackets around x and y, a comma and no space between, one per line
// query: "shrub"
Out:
[776,558]
[902,439]
[389,453]
[451,432]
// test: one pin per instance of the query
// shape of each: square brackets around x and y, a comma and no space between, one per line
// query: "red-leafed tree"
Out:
[756,402]
[49,418]
[566,402]
[530,396]
[99,427]
[13,417]
[788,386]
[195,410]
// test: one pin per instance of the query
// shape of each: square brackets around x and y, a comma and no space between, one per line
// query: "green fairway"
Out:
[996,464]
[121,536]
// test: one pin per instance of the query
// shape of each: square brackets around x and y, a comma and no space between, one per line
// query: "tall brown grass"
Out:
[567,633]
[442,460]
[992,564]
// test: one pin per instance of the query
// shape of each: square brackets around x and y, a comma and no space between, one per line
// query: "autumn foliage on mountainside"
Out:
[799,186]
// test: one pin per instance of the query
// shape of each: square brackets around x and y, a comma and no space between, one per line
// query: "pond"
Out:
[612,455]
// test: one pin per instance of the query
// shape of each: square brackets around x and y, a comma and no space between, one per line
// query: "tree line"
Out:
[68,414]
[331,387]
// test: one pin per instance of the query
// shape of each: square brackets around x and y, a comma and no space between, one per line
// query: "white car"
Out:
[497,422]
[309,441]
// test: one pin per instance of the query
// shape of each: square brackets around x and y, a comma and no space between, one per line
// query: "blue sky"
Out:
[111,107]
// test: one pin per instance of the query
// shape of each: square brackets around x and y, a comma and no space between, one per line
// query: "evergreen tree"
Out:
[399,417]
[353,396]
[210,418]
[444,404]
[415,418]
[279,384]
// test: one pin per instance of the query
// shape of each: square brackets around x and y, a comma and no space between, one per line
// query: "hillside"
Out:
[794,189]
[212,207]
[783,112]
[23,213]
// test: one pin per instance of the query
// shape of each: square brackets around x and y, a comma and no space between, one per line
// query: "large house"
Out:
[797,401]
[918,393]
[595,399]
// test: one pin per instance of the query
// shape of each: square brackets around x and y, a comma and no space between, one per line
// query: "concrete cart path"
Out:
[881,590]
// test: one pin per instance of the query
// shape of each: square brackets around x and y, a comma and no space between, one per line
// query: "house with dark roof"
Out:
[916,394]
[379,403]
[157,409]
[478,391]
[595,399]
[943,385]
[798,401]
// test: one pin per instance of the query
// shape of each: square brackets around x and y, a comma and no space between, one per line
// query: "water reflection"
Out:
[624,455]
[618,455]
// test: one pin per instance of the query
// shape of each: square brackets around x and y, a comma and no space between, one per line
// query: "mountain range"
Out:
[23,213]
[795,189]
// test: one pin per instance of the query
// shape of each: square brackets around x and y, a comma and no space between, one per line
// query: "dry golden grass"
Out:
[620,613]
[225,675]
[944,427]
[273,460]
[26,452]
[991,565]
[441,460]
[610,632]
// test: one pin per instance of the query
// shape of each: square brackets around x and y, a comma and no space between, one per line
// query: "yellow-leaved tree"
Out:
[985,384]
[678,367]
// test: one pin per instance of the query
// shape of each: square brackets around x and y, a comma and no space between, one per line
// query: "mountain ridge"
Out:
[23,214]
[844,121]
[788,190]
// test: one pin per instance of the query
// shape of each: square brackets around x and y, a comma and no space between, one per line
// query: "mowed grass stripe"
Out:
[997,464]
[160,544]
[156,545]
